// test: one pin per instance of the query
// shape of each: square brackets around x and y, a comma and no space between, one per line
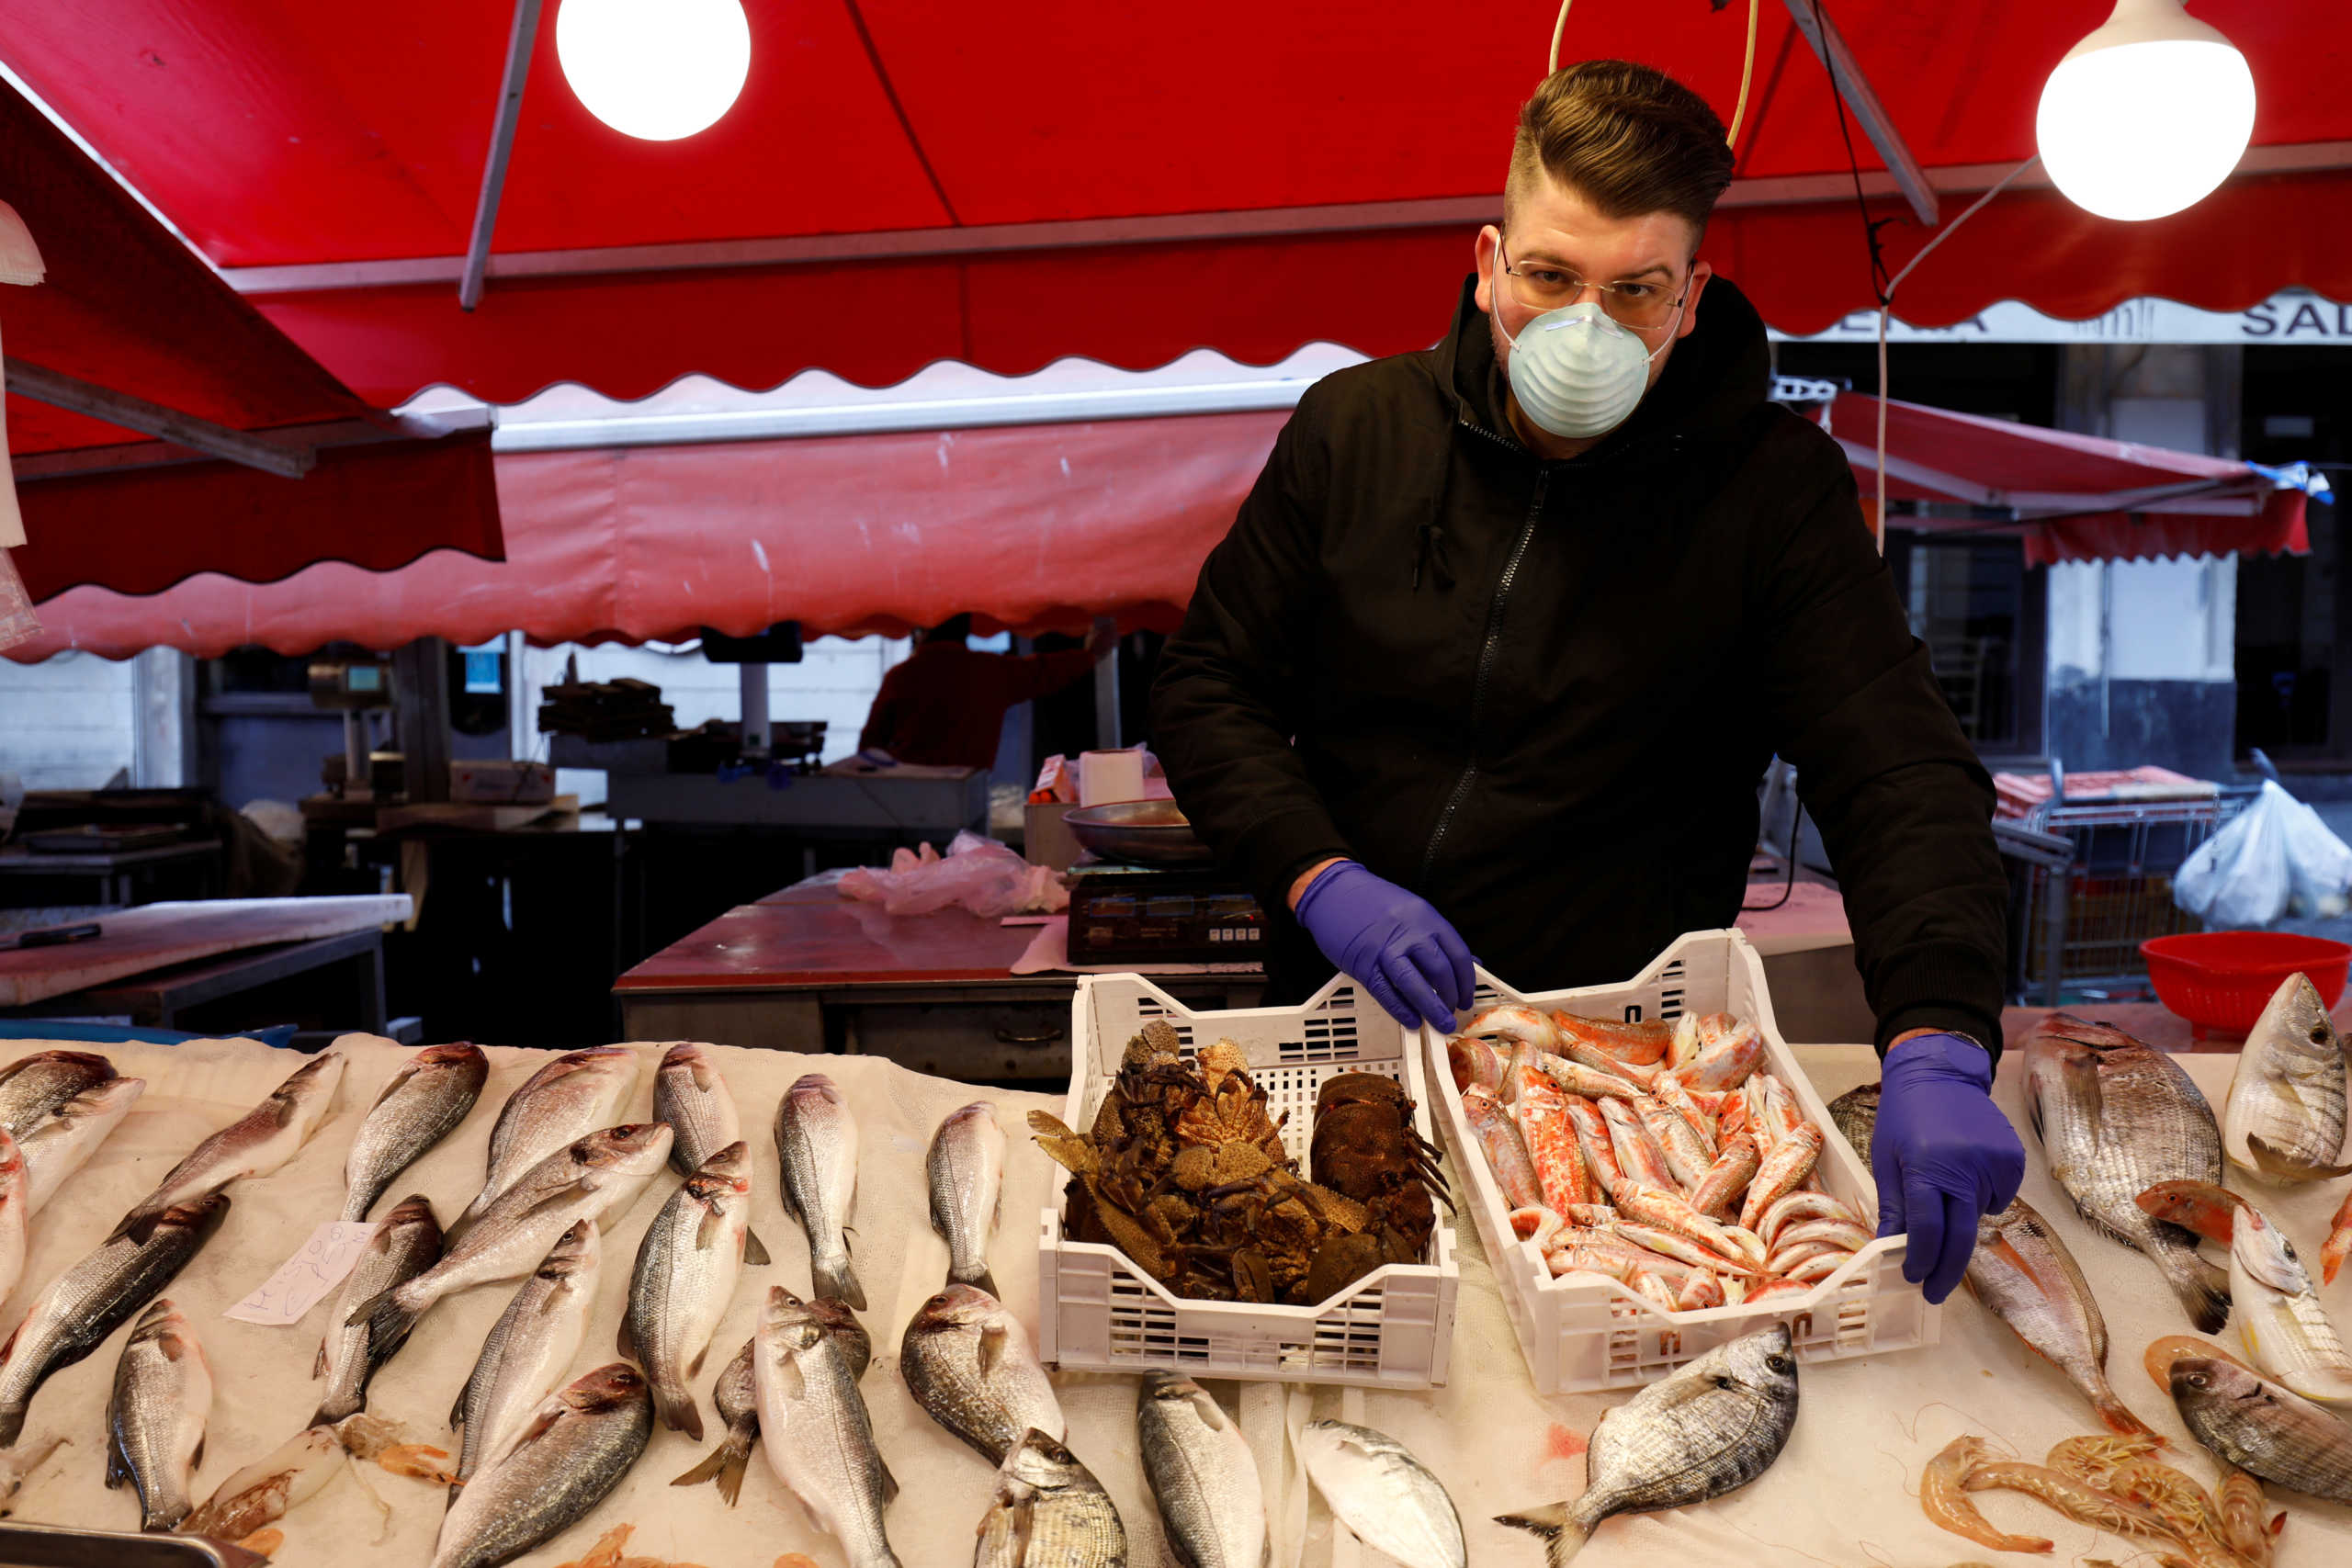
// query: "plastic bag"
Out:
[980,874]
[2276,852]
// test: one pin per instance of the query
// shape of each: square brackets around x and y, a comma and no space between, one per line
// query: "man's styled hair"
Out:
[1629,139]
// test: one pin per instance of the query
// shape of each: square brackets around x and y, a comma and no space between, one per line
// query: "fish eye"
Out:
[1779,1363]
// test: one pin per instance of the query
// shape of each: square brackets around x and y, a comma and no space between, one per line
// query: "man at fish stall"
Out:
[1505,634]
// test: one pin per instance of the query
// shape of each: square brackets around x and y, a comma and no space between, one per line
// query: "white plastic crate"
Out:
[1582,1335]
[1098,1311]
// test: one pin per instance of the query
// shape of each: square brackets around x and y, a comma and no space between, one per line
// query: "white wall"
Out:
[835,681]
[69,722]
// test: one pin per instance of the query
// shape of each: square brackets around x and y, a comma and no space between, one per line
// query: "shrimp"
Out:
[2245,1517]
[1944,1501]
[2091,1459]
[2071,1497]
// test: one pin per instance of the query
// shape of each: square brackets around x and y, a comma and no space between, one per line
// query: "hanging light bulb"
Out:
[657,70]
[2146,115]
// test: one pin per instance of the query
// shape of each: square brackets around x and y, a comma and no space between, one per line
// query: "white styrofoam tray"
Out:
[1582,1335]
[1097,1311]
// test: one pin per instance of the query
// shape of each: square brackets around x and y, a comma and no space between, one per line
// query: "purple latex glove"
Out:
[1943,1154]
[1392,943]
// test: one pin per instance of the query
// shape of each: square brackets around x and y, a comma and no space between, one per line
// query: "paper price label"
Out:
[304,1279]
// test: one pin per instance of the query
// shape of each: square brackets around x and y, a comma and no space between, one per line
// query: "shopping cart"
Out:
[2091,880]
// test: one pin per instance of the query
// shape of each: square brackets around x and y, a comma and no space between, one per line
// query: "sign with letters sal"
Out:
[2296,316]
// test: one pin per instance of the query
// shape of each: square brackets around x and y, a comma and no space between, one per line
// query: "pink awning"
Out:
[1034,528]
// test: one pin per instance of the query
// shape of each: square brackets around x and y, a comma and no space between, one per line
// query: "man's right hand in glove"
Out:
[1392,943]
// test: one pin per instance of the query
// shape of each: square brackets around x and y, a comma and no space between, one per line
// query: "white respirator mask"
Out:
[1575,372]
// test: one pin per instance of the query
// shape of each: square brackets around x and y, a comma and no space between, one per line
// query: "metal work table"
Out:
[121,877]
[812,971]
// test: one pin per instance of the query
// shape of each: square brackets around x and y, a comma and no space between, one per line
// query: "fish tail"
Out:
[1563,1532]
[2120,1420]
[836,1277]
[978,1279]
[355,1204]
[138,1224]
[725,1466]
[674,1402]
[388,1320]
[12,1425]
[2203,1290]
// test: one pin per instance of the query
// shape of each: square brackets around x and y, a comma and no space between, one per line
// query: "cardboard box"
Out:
[1046,839]
[490,782]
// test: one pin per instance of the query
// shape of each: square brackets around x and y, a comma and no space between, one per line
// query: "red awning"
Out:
[125,308]
[2069,497]
[901,183]
[1037,528]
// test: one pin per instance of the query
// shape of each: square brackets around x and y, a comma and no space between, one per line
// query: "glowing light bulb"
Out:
[657,70]
[2146,115]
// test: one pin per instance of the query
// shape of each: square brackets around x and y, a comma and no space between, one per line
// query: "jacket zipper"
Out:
[1487,656]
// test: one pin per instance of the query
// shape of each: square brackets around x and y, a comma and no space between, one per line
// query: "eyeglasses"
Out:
[1630,303]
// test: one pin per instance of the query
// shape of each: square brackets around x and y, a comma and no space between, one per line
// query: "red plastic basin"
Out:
[2221,981]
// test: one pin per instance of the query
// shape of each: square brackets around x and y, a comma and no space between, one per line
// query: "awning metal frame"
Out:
[286,458]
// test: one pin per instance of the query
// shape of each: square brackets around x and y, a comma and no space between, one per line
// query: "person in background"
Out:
[1502,641]
[945,707]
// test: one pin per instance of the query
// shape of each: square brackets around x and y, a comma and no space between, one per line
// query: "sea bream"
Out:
[423,1102]
[405,1244]
[815,1432]
[565,1102]
[156,1414]
[62,1142]
[2263,1428]
[530,1349]
[1202,1474]
[574,1449]
[736,1395]
[2283,1121]
[691,1095]
[969,1364]
[33,1087]
[1714,1425]
[816,1147]
[684,1281]
[2115,1118]
[1377,1488]
[2278,1311]
[1050,1512]
[257,1144]
[964,1172]
[594,1178]
[94,1298]
[2024,1275]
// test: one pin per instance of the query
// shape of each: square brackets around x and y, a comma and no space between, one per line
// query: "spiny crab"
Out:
[1184,1170]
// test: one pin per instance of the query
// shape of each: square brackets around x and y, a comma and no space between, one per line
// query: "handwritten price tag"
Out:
[304,1279]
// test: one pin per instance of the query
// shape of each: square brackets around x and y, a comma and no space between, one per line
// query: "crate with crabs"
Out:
[1797,1231]
[1261,1210]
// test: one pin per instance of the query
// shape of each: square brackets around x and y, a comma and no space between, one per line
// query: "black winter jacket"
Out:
[1540,693]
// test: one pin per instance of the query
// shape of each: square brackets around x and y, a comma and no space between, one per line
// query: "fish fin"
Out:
[1562,1533]
[117,1468]
[12,1425]
[889,1483]
[993,1336]
[137,1226]
[2203,1290]
[675,1406]
[197,1462]
[540,1422]
[2119,1418]
[624,1342]
[387,1322]
[755,1251]
[725,1466]
[694,1368]
[839,1282]
[2276,1165]
[791,1381]
[707,1229]
[319,1367]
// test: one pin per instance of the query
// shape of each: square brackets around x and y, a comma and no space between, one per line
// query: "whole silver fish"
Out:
[1856,1113]
[33,1087]
[1382,1493]
[2116,1118]
[2263,1428]
[15,1215]
[405,1244]
[690,1095]
[965,1172]
[737,1396]
[684,1281]
[816,1433]
[1712,1427]
[2024,1275]
[95,1297]
[63,1141]
[593,1179]
[432,1093]
[257,1144]
[162,1396]
[1203,1475]
[969,1364]
[571,1453]
[561,1103]
[2283,1121]
[815,1145]
[530,1349]
[263,1491]
[1050,1512]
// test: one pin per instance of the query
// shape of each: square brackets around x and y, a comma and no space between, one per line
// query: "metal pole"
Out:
[1822,33]
[754,680]
[77,396]
[502,144]
[1106,690]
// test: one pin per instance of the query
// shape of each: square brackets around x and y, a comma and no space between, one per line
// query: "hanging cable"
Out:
[1558,28]
[1747,64]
